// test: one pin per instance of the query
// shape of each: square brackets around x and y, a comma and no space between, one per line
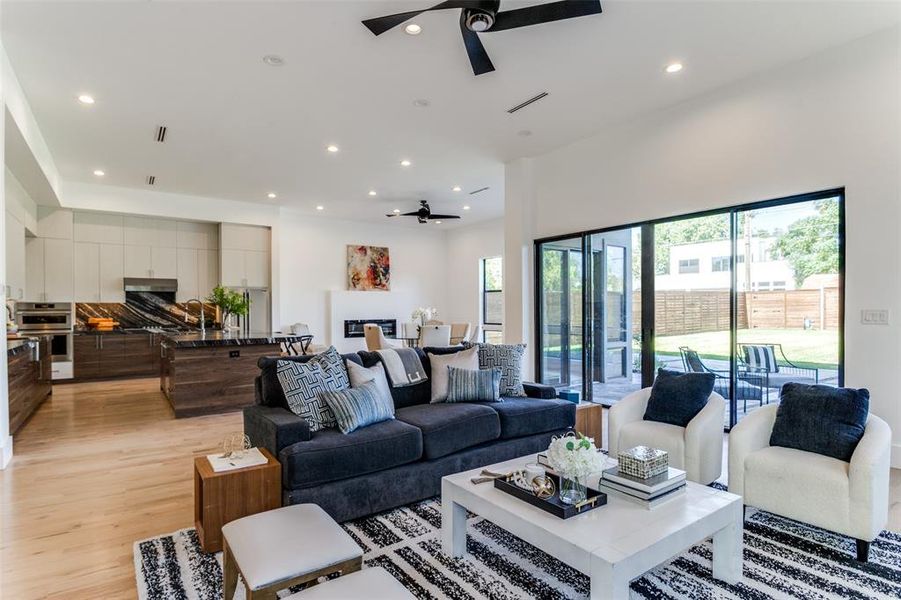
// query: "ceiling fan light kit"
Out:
[485,17]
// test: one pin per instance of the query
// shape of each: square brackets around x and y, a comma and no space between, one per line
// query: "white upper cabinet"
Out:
[233,272]
[245,255]
[244,237]
[34,269]
[99,228]
[145,231]
[256,269]
[87,266]
[200,236]
[15,258]
[112,272]
[137,261]
[162,263]
[207,272]
[186,260]
[54,223]
[58,270]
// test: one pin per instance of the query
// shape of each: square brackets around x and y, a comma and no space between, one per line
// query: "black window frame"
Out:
[485,291]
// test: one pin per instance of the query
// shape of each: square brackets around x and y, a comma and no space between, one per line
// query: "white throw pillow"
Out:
[465,359]
[360,376]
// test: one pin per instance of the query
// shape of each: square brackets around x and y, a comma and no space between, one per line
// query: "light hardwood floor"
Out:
[100,466]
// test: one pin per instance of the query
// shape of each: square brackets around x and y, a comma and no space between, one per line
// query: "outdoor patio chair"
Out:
[750,385]
[770,362]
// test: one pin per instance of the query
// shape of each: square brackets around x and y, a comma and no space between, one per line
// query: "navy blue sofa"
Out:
[396,462]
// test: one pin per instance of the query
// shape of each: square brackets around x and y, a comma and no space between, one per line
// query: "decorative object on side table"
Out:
[424,314]
[574,457]
[221,497]
[643,462]
[230,303]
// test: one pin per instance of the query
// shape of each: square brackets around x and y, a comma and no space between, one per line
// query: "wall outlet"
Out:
[874,316]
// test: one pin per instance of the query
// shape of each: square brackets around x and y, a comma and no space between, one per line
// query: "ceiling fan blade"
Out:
[380,25]
[444,216]
[545,13]
[478,57]
[410,214]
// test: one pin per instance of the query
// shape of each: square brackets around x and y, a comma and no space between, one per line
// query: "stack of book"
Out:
[647,492]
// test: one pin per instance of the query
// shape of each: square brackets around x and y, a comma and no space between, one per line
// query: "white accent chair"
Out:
[459,333]
[375,338]
[435,336]
[847,498]
[697,448]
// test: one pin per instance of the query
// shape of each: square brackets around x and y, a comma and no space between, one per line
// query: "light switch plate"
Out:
[874,316]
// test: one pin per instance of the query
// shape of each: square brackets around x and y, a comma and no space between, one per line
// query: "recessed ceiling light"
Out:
[413,29]
[273,60]
[85,99]
[437,222]
[465,208]
[320,207]
[332,148]
[421,103]
[405,163]
[456,188]
[99,173]
[673,67]
[372,192]
[271,195]
[396,211]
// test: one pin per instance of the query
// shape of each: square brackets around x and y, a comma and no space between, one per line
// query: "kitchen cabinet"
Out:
[99,270]
[200,236]
[137,261]
[162,262]
[244,237]
[150,261]
[146,231]
[207,272]
[49,264]
[15,258]
[112,272]
[86,356]
[245,268]
[29,379]
[198,273]
[99,228]
[111,355]
[55,223]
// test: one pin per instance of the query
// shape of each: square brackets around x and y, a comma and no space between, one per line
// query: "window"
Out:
[689,265]
[720,263]
[492,299]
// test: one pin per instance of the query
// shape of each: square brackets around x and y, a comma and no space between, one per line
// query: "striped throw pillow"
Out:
[465,385]
[358,407]
[762,358]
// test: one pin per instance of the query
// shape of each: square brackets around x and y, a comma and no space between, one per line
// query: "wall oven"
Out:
[53,319]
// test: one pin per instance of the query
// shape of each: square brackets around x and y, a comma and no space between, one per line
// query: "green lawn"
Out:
[811,348]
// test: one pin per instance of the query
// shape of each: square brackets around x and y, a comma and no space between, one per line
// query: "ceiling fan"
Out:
[424,214]
[485,17]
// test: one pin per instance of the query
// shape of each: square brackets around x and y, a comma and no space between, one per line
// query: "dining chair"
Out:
[459,332]
[435,335]
[375,338]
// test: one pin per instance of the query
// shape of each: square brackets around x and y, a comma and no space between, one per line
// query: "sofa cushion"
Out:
[527,416]
[409,395]
[821,419]
[270,392]
[447,428]
[331,455]
[677,397]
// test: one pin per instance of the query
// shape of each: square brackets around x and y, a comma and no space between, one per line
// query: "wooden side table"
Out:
[590,421]
[223,497]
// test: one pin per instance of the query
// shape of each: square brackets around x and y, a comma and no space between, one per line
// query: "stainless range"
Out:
[53,319]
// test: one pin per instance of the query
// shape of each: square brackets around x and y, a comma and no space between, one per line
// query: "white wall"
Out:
[314,265]
[466,247]
[828,121]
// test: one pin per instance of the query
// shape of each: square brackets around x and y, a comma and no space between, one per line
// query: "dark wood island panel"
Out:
[29,376]
[211,379]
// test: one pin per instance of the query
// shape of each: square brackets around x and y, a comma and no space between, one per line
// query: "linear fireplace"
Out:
[354,328]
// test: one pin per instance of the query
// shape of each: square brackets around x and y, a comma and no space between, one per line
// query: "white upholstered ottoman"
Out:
[374,583]
[287,546]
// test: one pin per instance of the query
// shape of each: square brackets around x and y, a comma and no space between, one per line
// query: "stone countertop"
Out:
[215,338]
[17,346]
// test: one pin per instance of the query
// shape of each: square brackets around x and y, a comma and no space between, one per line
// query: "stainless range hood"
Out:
[147,284]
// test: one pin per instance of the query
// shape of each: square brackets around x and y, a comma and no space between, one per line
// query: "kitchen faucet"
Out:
[202,318]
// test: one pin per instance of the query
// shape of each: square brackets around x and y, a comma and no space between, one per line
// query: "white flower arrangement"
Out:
[424,314]
[574,456]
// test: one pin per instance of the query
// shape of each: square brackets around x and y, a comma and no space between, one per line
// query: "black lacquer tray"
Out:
[553,504]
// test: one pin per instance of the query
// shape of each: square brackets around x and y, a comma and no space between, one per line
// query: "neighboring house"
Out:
[705,265]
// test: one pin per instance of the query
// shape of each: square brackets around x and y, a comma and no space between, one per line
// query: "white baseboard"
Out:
[6,452]
[896,456]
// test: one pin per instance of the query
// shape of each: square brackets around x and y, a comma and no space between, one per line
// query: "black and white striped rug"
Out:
[783,559]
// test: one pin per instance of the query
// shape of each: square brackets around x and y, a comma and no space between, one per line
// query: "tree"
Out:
[685,231]
[810,245]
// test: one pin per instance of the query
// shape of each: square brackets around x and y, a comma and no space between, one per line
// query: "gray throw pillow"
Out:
[302,382]
[358,407]
[465,359]
[360,376]
[507,358]
[466,385]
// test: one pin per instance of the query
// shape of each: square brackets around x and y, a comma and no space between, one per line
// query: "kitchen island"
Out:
[213,372]
[28,361]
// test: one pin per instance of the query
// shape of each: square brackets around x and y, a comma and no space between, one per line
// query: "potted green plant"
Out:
[229,303]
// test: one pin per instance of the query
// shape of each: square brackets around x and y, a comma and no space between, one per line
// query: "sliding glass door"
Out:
[751,294]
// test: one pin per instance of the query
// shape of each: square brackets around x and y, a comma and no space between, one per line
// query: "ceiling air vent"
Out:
[522,105]
[478,191]
[161,133]
[151,180]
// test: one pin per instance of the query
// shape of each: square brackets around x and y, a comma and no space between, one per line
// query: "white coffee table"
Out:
[613,544]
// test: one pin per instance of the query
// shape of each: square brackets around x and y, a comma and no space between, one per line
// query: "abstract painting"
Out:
[368,268]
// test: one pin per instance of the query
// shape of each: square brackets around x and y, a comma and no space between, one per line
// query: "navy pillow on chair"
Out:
[821,419]
[677,397]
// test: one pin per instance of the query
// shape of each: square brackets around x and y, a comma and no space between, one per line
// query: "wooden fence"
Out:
[679,312]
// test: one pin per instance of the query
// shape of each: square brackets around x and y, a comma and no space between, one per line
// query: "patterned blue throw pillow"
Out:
[507,358]
[465,385]
[358,407]
[302,382]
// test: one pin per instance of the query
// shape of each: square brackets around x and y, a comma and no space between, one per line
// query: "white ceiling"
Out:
[239,128]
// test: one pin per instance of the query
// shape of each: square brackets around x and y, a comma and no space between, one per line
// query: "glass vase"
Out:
[571,491]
